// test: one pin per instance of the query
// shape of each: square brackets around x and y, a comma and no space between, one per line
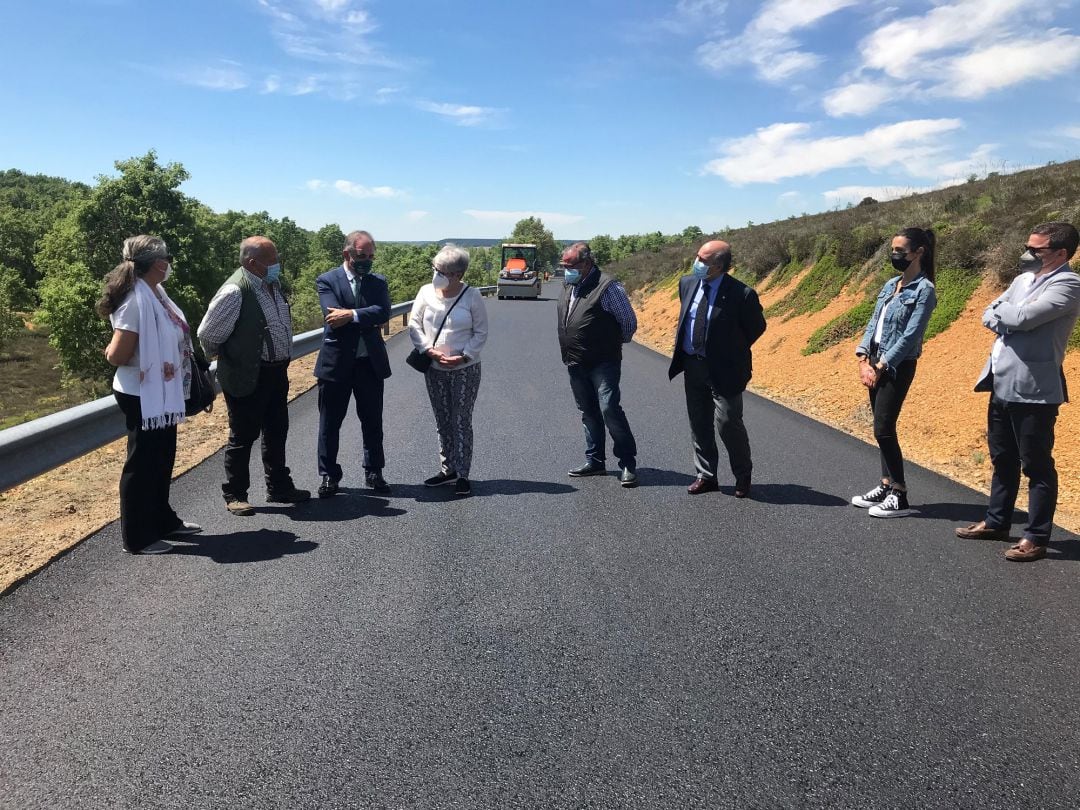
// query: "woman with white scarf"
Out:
[152,351]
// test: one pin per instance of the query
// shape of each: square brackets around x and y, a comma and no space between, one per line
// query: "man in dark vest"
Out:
[248,327]
[719,320]
[352,362]
[595,320]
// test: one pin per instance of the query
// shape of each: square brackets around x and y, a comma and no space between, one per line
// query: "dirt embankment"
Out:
[943,423]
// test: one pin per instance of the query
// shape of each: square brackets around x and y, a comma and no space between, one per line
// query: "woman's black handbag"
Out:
[420,360]
[202,389]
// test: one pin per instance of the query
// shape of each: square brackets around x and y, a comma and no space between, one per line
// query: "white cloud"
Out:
[768,42]
[315,185]
[1005,64]
[363,192]
[227,76]
[980,162]
[779,151]
[858,98]
[326,31]
[790,195]
[464,115]
[962,49]
[1072,131]
[271,84]
[550,218]
[416,216]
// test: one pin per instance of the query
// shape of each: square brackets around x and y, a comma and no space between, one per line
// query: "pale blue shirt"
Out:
[691,314]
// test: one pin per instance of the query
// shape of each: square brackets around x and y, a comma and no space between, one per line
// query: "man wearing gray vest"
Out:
[1033,320]
[595,320]
[248,327]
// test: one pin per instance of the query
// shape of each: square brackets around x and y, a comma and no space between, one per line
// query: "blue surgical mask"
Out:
[571,277]
[273,271]
[700,269]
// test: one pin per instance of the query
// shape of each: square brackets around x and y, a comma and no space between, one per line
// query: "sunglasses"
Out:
[1036,250]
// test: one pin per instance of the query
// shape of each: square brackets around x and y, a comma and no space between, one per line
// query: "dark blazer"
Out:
[736,322]
[373,310]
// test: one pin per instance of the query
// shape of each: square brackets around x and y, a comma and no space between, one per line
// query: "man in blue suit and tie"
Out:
[719,320]
[353,361]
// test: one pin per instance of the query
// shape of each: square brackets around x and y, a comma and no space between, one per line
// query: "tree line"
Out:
[58,239]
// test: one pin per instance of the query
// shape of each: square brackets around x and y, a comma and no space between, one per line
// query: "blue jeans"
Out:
[596,392]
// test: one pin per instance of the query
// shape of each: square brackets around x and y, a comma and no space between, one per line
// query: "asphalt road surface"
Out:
[550,642]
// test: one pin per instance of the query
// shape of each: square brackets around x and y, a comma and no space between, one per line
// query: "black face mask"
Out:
[360,266]
[900,261]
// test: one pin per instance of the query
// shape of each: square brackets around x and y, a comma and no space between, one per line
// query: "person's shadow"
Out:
[481,488]
[653,477]
[258,545]
[789,494]
[349,503]
[958,512]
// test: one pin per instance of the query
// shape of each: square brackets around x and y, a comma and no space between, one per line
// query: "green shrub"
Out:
[815,290]
[954,287]
[843,327]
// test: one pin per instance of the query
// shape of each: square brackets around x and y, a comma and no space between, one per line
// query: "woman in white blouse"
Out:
[151,349]
[453,379]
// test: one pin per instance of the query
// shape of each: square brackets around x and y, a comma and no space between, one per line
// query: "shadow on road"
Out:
[652,477]
[481,488]
[960,512]
[789,494]
[349,504]
[258,545]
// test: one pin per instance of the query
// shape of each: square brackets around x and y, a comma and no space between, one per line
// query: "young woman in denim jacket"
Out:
[888,353]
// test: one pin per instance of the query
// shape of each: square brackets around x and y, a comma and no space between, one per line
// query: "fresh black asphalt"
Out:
[550,642]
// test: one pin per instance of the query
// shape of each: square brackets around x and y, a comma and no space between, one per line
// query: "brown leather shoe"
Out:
[1018,553]
[980,531]
[701,485]
[742,488]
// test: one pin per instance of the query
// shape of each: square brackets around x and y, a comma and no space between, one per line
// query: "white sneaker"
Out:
[872,498]
[895,505]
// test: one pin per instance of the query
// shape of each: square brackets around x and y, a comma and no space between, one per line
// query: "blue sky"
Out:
[424,120]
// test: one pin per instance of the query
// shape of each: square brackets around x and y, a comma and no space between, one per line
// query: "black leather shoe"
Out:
[742,488]
[628,478]
[592,468]
[293,495]
[328,488]
[376,482]
[701,485]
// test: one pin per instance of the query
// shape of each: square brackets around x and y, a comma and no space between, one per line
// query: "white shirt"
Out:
[465,331]
[126,316]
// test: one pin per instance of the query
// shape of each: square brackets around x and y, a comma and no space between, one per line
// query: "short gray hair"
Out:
[451,259]
[250,248]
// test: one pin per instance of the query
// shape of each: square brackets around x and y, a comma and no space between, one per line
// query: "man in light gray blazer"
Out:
[1032,320]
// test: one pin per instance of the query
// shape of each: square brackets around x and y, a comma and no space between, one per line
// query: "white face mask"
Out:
[168,272]
[439,281]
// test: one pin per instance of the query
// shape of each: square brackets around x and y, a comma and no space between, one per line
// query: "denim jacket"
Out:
[905,323]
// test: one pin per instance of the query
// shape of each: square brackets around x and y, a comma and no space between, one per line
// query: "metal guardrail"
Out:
[35,447]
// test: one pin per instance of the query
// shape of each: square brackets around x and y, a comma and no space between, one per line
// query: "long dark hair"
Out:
[922,238]
[139,254]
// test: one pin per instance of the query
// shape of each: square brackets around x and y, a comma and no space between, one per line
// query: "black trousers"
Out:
[264,411]
[366,388]
[712,413]
[1021,438]
[886,400]
[145,513]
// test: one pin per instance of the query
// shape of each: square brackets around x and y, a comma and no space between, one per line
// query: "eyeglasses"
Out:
[1036,250]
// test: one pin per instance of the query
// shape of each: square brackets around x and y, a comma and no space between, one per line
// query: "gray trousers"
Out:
[710,413]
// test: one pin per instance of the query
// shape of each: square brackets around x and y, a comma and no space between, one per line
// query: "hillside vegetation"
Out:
[981,227]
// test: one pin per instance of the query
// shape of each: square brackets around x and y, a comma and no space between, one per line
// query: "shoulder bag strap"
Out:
[447,315]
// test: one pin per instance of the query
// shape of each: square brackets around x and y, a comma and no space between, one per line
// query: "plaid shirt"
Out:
[220,319]
[615,301]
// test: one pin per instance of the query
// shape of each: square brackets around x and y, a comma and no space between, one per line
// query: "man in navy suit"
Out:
[719,321]
[353,361]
